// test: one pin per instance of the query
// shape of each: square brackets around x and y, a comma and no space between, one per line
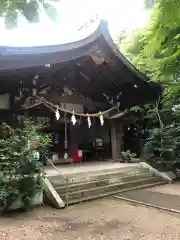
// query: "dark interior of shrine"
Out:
[92,66]
[100,84]
[90,72]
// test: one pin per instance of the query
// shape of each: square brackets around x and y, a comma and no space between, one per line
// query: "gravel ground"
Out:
[98,220]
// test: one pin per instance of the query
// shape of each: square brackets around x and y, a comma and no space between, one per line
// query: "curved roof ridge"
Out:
[22,50]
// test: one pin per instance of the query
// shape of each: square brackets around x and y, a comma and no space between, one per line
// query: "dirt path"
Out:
[103,219]
[153,197]
[172,189]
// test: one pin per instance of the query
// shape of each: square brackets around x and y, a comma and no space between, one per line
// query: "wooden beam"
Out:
[102,77]
[118,115]
[55,98]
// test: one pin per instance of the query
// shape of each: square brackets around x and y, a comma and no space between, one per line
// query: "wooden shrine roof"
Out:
[93,67]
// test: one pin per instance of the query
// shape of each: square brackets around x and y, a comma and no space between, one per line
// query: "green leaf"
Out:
[50,11]
[11,19]
[31,11]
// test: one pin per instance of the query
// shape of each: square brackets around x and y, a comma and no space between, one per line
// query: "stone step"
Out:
[102,182]
[128,169]
[91,193]
[97,176]
[106,194]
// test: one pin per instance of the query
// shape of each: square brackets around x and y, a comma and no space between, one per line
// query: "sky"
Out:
[120,14]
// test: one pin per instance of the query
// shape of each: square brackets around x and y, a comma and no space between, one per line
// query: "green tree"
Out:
[20,166]
[155,50]
[9,9]
[149,4]
[157,45]
[162,38]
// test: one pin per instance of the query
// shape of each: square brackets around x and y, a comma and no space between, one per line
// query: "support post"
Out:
[116,140]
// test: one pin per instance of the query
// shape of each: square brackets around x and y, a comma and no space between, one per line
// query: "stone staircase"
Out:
[92,184]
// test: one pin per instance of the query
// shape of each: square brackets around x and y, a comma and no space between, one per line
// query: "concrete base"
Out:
[65,170]
[51,194]
[95,180]
[164,175]
[170,174]
[36,201]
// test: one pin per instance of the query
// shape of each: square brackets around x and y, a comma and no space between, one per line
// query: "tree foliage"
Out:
[19,163]
[149,4]
[155,50]
[162,145]
[30,9]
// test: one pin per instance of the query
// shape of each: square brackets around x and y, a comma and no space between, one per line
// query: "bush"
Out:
[20,166]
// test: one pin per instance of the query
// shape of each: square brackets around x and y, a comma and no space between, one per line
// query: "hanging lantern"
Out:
[65,133]
[34,81]
[20,93]
[73,119]
[20,90]
[57,114]
[34,85]
[66,156]
[34,92]
[65,138]
[89,122]
[101,120]
[36,77]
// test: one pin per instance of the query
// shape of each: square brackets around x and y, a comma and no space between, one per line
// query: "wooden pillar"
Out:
[113,142]
[116,140]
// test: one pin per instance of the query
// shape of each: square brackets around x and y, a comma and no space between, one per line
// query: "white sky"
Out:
[120,14]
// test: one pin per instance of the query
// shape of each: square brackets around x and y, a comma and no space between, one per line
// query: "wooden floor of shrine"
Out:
[86,167]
